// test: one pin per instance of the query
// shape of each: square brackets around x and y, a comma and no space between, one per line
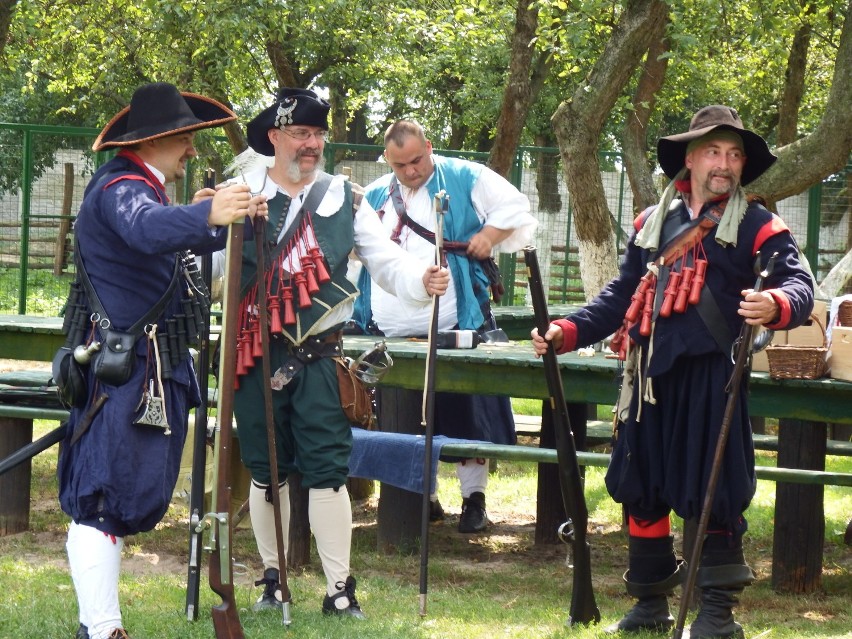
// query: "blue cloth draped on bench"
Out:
[395,458]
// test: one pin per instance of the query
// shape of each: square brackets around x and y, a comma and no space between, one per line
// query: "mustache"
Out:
[311,153]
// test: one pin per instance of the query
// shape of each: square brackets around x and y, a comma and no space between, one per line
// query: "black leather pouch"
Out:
[113,364]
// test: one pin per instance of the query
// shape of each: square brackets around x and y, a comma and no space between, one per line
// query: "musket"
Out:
[226,618]
[442,202]
[743,348]
[199,441]
[260,244]
[583,609]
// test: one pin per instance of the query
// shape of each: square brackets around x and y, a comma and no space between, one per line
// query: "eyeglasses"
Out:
[303,134]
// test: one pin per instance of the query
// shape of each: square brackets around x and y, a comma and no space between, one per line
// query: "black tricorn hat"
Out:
[158,110]
[671,150]
[292,106]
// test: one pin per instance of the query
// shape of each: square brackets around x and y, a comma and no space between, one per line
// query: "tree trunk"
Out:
[546,177]
[280,62]
[517,96]
[635,142]
[7,8]
[578,123]
[835,282]
[825,151]
[794,84]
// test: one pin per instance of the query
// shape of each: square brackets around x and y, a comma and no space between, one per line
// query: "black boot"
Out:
[654,572]
[473,518]
[720,588]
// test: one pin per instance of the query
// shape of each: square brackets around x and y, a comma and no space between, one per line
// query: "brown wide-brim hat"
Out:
[292,107]
[158,110]
[671,150]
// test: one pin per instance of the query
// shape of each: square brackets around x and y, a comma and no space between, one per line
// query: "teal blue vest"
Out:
[457,177]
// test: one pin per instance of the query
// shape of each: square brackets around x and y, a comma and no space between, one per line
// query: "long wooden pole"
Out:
[428,416]
[743,353]
[260,244]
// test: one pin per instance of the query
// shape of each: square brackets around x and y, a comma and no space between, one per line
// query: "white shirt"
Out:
[390,266]
[496,202]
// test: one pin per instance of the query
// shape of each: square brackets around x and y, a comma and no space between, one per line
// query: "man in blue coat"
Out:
[120,460]
[707,233]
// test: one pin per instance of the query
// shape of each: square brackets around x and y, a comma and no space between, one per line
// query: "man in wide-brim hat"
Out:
[117,471]
[684,289]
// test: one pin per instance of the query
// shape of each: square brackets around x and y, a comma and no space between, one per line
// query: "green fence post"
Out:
[26,199]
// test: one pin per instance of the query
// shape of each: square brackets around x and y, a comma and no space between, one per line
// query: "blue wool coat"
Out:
[119,476]
[664,451]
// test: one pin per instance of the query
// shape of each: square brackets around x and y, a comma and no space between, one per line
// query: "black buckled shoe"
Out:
[346,590]
[473,517]
[271,597]
[82,632]
[436,512]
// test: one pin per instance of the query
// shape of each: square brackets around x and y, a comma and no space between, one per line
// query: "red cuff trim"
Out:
[783,306]
[650,529]
[569,335]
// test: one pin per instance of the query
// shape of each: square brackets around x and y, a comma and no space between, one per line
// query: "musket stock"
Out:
[584,609]
[742,354]
[226,618]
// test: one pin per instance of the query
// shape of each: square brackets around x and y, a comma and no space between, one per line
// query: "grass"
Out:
[46,293]
[497,585]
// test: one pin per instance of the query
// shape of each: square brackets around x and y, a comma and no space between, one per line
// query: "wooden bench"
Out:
[599,433]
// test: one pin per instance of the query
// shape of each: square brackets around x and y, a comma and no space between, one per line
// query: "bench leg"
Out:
[799,515]
[15,485]
[399,514]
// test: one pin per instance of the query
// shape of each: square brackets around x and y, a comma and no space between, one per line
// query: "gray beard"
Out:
[294,173]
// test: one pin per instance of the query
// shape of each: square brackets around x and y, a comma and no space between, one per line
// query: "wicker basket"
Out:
[798,362]
[844,314]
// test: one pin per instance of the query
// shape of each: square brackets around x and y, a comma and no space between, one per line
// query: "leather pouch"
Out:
[70,379]
[355,398]
[113,363]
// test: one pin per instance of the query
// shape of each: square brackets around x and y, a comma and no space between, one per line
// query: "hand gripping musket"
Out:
[583,610]
[226,618]
[260,244]
[442,202]
[743,349]
[199,441]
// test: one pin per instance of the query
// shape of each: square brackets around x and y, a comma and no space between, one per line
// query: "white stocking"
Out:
[330,515]
[95,560]
[263,522]
[473,476]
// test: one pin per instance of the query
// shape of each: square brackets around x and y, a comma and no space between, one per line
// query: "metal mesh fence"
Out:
[44,171]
